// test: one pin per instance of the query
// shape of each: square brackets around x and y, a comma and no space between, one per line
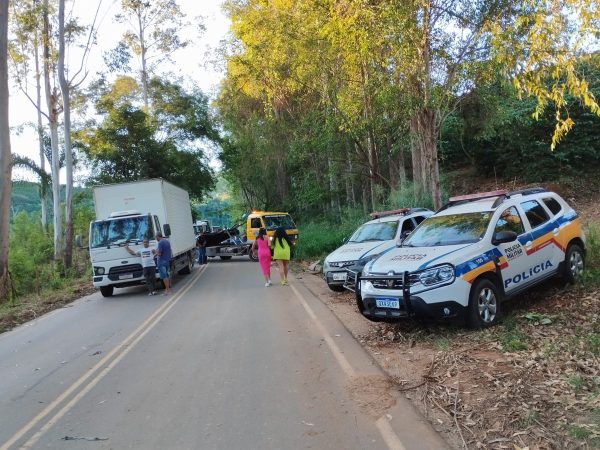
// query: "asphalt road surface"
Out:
[222,363]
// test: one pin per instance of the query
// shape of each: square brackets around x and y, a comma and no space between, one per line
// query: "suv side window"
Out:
[510,221]
[552,205]
[255,223]
[536,214]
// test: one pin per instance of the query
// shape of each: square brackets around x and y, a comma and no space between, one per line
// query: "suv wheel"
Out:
[574,263]
[484,304]
[336,287]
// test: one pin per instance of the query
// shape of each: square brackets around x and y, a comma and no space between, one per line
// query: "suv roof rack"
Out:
[460,199]
[526,191]
[380,214]
[501,194]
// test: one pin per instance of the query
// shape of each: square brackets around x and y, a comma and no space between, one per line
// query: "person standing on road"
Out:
[148,264]
[164,261]
[201,244]
[261,247]
[282,247]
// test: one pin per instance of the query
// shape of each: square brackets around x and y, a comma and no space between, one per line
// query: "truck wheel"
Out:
[107,291]
[484,304]
[188,268]
[574,263]
[225,258]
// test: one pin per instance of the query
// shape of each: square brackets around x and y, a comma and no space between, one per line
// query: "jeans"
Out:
[201,255]
[163,269]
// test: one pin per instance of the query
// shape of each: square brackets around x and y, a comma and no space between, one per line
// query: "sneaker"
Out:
[267,284]
[150,293]
[284,282]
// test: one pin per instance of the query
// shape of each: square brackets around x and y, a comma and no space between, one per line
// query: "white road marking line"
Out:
[390,438]
[126,344]
[337,353]
[387,433]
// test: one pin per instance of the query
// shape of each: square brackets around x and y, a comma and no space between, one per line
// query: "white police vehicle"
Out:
[474,252]
[370,240]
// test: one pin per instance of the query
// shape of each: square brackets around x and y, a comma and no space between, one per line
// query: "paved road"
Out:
[224,363]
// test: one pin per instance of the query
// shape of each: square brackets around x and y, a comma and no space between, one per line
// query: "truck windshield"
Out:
[382,231]
[120,230]
[282,220]
[453,229]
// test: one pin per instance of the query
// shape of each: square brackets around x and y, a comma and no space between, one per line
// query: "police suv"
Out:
[474,252]
[370,240]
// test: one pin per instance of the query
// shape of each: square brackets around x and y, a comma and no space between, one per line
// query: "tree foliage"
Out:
[335,102]
[130,144]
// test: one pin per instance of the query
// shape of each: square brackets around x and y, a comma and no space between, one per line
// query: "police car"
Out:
[474,252]
[370,240]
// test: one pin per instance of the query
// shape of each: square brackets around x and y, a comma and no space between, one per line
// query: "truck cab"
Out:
[270,221]
[107,245]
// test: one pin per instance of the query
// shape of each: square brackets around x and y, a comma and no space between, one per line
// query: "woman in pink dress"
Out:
[261,244]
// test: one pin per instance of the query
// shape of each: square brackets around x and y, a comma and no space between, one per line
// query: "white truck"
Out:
[127,213]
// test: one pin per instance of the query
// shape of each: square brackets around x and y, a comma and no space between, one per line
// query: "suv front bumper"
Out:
[443,302]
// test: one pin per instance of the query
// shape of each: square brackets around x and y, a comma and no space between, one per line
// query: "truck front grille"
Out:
[114,274]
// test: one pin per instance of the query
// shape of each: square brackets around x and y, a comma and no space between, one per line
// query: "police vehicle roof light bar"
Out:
[379,214]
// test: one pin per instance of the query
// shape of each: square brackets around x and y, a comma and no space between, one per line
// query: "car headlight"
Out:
[98,270]
[437,275]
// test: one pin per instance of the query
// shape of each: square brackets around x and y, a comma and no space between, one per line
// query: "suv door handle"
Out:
[555,231]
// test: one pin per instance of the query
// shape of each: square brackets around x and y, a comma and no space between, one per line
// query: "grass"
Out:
[512,337]
[35,304]
[591,276]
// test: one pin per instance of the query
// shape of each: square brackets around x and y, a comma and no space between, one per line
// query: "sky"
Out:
[194,61]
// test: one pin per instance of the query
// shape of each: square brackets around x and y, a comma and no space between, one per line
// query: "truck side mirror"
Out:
[166,230]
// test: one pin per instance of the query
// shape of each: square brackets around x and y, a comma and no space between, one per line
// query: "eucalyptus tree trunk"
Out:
[424,126]
[64,88]
[143,52]
[333,187]
[425,132]
[372,151]
[40,131]
[53,113]
[5,157]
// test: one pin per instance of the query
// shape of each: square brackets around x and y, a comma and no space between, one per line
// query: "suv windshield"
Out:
[118,231]
[283,220]
[382,231]
[449,230]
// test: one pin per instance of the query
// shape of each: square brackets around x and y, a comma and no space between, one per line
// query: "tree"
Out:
[130,144]
[153,35]
[66,86]
[26,46]
[5,156]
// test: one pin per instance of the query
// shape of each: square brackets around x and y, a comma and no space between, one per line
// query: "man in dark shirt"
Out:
[163,251]
[201,244]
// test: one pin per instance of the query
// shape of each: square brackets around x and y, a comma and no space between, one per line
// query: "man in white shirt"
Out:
[148,264]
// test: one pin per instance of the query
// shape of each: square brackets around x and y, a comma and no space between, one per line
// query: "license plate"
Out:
[340,276]
[125,276]
[386,302]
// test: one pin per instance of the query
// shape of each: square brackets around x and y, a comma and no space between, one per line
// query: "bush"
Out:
[592,257]
[320,238]
[30,251]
